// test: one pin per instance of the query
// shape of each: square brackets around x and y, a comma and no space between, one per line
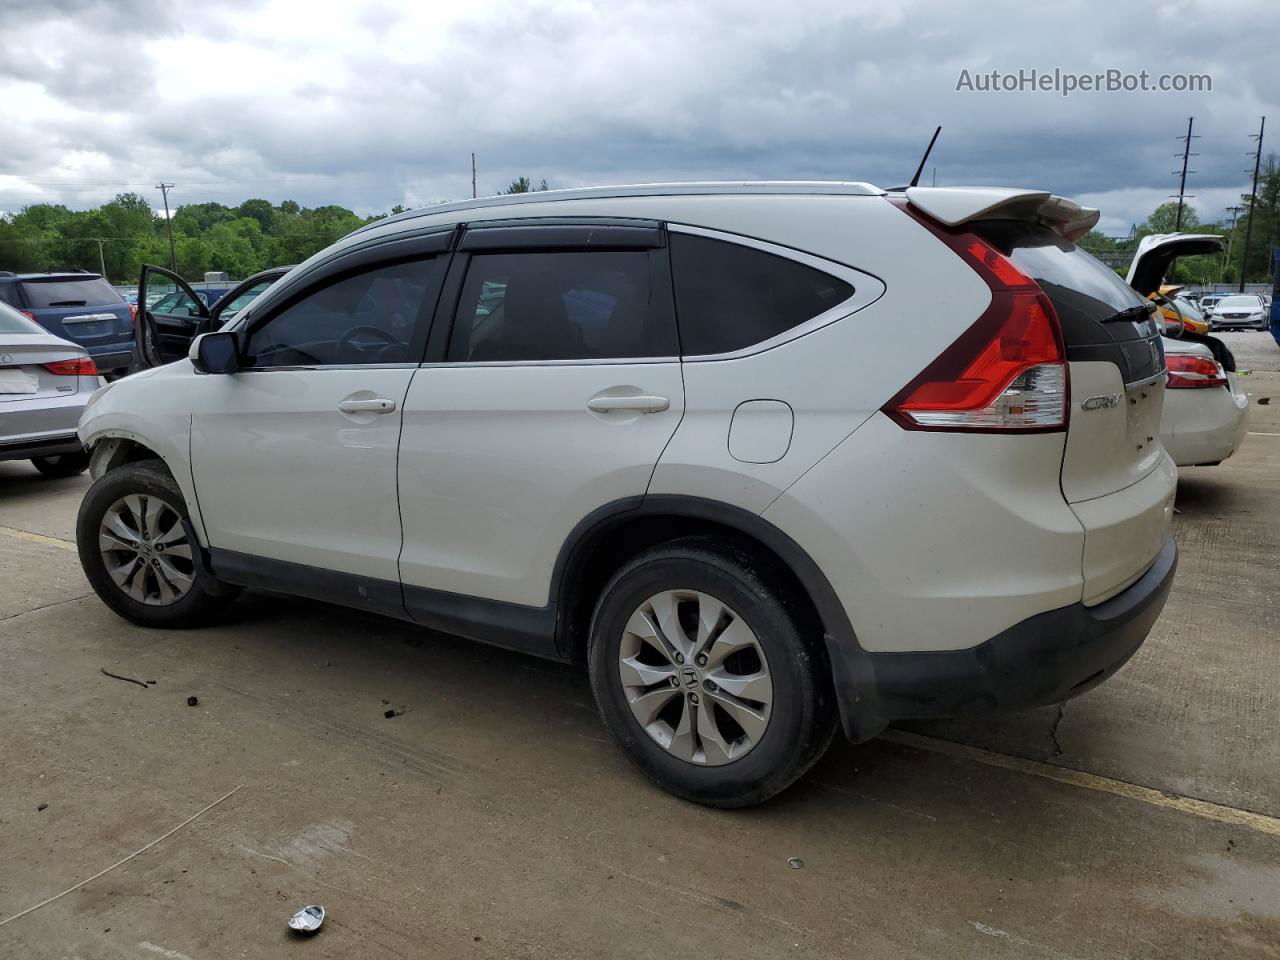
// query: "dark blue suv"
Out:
[78,306]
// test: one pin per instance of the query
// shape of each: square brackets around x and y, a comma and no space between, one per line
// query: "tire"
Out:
[178,590]
[701,575]
[62,464]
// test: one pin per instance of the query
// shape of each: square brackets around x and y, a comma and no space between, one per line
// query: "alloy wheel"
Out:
[145,549]
[695,677]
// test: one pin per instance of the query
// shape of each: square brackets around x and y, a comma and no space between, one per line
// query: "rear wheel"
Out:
[62,464]
[704,677]
[140,553]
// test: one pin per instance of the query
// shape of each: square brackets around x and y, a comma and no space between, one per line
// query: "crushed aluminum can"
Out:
[307,920]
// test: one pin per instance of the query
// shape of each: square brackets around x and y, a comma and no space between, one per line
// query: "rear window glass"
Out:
[729,296]
[9,294]
[1075,281]
[69,292]
[11,321]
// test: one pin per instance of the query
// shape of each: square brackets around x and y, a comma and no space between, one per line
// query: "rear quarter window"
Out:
[70,292]
[730,296]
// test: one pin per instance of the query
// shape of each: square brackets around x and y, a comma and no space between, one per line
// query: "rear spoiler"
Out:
[956,205]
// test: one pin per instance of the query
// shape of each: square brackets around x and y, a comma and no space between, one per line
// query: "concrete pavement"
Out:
[492,818]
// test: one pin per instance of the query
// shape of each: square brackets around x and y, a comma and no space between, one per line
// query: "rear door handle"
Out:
[642,404]
[379,405]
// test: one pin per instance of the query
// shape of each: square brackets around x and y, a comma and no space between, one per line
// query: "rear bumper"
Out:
[1203,426]
[1045,659]
[42,426]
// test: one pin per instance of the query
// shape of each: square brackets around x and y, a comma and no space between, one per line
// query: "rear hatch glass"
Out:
[70,292]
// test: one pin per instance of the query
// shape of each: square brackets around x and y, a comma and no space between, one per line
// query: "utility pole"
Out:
[1253,197]
[102,259]
[1235,214]
[1182,181]
[164,189]
[473,175]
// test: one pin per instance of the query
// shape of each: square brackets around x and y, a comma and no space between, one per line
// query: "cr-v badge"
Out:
[1102,402]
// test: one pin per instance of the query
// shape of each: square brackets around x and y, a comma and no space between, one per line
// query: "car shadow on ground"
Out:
[1203,492]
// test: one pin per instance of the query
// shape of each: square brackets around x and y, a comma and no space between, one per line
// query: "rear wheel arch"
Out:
[612,535]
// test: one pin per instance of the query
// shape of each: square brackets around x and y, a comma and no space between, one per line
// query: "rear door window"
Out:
[561,305]
[70,292]
[730,296]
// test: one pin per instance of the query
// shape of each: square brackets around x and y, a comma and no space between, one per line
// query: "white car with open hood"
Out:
[769,458]
[1205,409]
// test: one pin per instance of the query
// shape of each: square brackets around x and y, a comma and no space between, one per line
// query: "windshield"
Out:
[1239,303]
[11,321]
[70,292]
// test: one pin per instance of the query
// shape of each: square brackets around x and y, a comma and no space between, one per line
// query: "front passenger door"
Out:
[167,317]
[295,454]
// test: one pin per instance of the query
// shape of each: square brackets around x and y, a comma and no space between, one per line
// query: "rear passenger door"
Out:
[551,393]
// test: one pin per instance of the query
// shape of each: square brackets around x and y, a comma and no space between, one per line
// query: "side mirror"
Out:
[217,352]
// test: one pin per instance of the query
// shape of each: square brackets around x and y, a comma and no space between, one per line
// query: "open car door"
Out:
[169,316]
[242,294]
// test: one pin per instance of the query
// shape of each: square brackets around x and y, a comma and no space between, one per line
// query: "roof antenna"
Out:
[915,181]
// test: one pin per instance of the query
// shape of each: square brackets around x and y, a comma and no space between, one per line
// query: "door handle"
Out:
[367,406]
[642,404]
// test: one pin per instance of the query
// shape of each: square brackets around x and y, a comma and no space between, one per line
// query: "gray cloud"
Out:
[383,105]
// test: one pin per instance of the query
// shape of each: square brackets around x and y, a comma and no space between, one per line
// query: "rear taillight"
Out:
[133,312]
[79,367]
[1007,372]
[28,314]
[1189,373]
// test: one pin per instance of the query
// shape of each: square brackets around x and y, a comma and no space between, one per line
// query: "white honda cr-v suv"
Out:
[766,456]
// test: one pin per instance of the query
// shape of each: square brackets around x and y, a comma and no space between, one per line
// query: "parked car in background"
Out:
[78,306]
[629,427]
[45,382]
[176,313]
[1207,302]
[1205,411]
[1177,309]
[1242,311]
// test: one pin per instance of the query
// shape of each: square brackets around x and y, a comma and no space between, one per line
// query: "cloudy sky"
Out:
[379,103]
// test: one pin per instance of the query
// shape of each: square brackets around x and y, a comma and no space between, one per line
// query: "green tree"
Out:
[525,185]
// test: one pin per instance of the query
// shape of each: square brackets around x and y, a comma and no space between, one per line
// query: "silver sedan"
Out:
[45,382]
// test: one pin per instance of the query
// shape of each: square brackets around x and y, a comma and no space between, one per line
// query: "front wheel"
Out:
[705,675]
[62,464]
[139,552]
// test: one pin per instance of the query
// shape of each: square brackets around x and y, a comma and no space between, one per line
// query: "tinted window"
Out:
[564,305]
[9,294]
[369,317]
[1086,295]
[70,292]
[729,296]
[179,303]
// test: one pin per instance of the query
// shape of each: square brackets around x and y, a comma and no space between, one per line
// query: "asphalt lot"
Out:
[492,818]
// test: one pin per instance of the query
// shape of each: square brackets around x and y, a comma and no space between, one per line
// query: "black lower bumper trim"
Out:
[44,447]
[1045,659]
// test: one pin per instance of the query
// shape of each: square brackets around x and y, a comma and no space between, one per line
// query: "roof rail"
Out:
[855,188]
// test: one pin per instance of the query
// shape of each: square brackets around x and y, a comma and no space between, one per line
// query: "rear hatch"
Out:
[80,307]
[1115,474]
